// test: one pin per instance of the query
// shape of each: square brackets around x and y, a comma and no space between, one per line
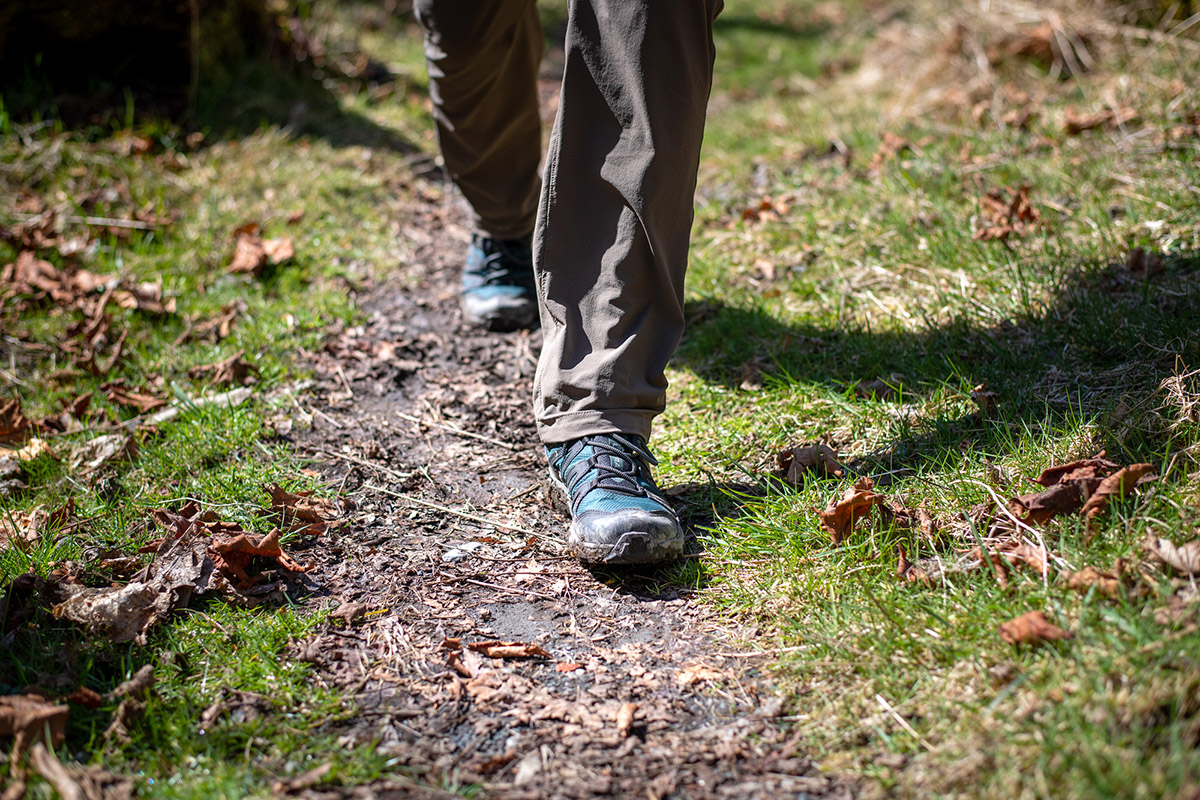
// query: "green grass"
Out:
[876,275]
[275,141]
[872,272]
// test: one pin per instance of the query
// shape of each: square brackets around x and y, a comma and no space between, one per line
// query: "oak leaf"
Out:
[792,464]
[857,501]
[1032,628]
[1184,558]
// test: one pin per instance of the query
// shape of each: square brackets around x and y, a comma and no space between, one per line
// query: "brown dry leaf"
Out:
[1116,485]
[34,449]
[249,256]
[1183,558]
[1076,123]
[1096,467]
[279,250]
[147,297]
[12,477]
[766,210]
[181,568]
[1017,552]
[625,715]
[26,717]
[117,392]
[908,571]
[1069,487]
[495,649]
[879,389]
[1032,628]
[567,667]
[214,328]
[13,424]
[856,502]
[302,511]
[891,146]
[22,529]
[1144,265]
[233,370]
[792,464]
[985,399]
[1004,213]
[90,456]
[698,673]
[234,556]
[1111,582]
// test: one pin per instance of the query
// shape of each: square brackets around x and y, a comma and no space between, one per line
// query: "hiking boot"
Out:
[618,515]
[497,284]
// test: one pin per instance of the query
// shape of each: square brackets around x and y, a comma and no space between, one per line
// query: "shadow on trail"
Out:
[1100,346]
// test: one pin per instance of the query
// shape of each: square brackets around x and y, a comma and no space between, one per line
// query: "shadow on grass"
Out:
[1101,346]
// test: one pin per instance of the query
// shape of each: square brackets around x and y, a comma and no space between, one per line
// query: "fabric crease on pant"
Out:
[616,207]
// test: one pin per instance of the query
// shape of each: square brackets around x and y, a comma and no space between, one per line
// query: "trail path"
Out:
[644,693]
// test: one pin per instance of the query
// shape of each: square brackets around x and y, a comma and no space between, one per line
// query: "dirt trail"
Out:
[640,696]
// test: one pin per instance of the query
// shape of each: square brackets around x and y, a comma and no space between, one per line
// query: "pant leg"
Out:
[483,58]
[614,223]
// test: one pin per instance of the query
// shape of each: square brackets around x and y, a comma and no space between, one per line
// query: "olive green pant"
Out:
[612,225]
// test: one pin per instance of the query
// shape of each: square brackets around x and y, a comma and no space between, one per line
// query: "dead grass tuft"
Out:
[963,58]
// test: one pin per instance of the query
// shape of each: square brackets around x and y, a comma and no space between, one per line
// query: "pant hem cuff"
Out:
[574,424]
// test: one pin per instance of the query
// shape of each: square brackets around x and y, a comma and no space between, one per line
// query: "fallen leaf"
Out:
[233,370]
[235,555]
[1076,123]
[70,782]
[13,424]
[856,502]
[1095,467]
[83,696]
[1182,558]
[625,716]
[1032,628]
[279,250]
[766,210]
[117,392]
[88,457]
[147,297]
[302,511]
[985,399]
[889,147]
[249,256]
[27,718]
[349,612]
[495,649]
[34,449]
[797,461]
[567,667]
[1111,582]
[698,673]
[1116,485]
[1004,213]
[879,389]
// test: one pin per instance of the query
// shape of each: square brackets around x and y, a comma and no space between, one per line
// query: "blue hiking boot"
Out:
[618,515]
[497,284]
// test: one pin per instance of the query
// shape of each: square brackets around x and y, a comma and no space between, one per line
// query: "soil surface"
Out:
[634,689]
